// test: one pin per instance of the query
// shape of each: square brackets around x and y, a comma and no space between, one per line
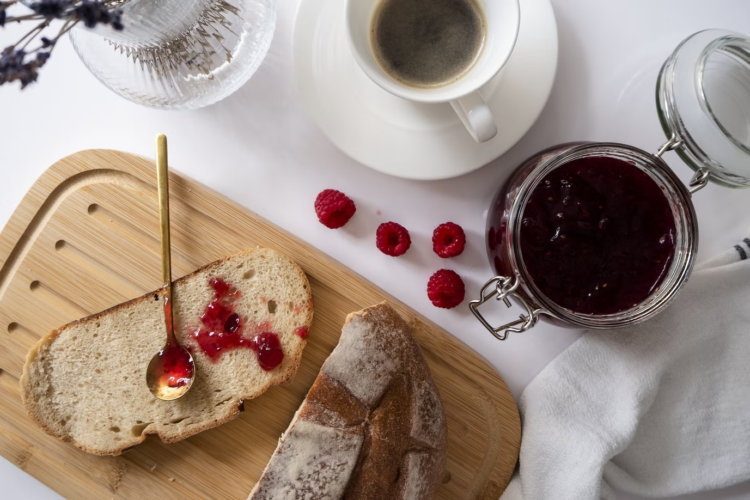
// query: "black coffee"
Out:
[427,43]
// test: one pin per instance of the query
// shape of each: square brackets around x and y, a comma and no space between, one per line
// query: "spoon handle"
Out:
[162,178]
[163,188]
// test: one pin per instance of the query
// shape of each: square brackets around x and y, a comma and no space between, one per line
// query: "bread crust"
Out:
[375,385]
[237,402]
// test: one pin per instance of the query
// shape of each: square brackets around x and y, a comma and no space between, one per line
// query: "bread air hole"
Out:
[114,428]
[177,420]
[272,306]
[249,274]
[137,430]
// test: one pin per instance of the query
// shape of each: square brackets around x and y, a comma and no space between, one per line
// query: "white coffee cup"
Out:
[503,18]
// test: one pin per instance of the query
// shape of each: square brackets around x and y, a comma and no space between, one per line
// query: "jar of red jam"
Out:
[604,235]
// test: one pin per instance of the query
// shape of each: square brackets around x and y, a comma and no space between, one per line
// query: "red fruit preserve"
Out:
[591,235]
[223,327]
[597,235]
[177,366]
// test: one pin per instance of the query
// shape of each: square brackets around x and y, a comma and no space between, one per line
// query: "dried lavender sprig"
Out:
[18,64]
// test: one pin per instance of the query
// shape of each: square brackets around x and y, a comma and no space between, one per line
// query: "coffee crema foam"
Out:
[427,43]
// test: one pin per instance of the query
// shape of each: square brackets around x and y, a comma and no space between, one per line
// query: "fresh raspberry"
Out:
[392,239]
[448,240]
[446,289]
[334,208]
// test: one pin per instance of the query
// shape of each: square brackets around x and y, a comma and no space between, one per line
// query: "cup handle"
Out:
[476,116]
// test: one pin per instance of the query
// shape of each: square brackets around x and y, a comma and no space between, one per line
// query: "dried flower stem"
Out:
[14,61]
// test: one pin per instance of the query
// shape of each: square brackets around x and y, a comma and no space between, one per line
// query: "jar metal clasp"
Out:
[700,179]
[501,288]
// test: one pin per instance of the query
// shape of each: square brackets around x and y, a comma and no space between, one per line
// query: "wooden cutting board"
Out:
[86,238]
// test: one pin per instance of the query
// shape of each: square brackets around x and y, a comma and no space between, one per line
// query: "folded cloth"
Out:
[658,409]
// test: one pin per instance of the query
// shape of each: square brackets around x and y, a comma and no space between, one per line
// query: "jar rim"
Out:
[686,225]
[687,115]
[738,48]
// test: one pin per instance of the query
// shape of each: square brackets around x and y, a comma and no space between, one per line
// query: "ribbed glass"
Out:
[179,54]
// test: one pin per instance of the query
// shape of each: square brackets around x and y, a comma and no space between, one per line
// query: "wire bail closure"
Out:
[700,179]
[501,288]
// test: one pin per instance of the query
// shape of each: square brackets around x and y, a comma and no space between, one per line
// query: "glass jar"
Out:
[179,54]
[703,99]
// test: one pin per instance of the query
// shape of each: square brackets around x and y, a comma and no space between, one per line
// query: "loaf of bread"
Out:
[85,383]
[372,426]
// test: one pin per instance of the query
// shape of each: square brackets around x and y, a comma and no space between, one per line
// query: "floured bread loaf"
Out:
[85,383]
[372,425]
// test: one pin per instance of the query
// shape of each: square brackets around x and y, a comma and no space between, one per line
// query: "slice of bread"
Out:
[372,425]
[85,383]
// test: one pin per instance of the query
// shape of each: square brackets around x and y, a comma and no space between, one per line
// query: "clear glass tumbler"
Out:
[179,54]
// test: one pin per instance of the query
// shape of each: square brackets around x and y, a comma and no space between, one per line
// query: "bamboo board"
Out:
[85,238]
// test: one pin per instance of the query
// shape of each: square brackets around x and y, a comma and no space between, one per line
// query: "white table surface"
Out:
[261,149]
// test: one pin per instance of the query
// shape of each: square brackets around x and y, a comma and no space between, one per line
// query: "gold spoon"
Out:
[171,371]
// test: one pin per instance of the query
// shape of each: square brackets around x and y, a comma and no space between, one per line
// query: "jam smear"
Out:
[598,235]
[222,330]
[302,332]
[268,348]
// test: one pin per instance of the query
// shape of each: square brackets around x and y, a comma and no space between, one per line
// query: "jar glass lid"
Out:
[703,99]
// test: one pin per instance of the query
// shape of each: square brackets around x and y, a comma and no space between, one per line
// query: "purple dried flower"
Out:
[12,67]
[51,9]
[92,12]
[116,16]
[17,63]
[41,58]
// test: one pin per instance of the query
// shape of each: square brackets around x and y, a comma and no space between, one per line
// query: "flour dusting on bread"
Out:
[312,461]
[361,361]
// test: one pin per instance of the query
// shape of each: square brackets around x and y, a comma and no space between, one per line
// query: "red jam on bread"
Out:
[223,327]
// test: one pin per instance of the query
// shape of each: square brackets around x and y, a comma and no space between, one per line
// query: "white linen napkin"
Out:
[658,409]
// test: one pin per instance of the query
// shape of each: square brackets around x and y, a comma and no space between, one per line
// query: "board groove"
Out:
[85,238]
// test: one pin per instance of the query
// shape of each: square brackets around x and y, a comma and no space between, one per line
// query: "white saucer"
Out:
[409,139]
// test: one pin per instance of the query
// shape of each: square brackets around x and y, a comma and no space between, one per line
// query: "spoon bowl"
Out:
[171,371]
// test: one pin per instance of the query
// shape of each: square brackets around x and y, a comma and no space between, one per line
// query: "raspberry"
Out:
[392,239]
[334,208]
[446,289]
[448,240]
